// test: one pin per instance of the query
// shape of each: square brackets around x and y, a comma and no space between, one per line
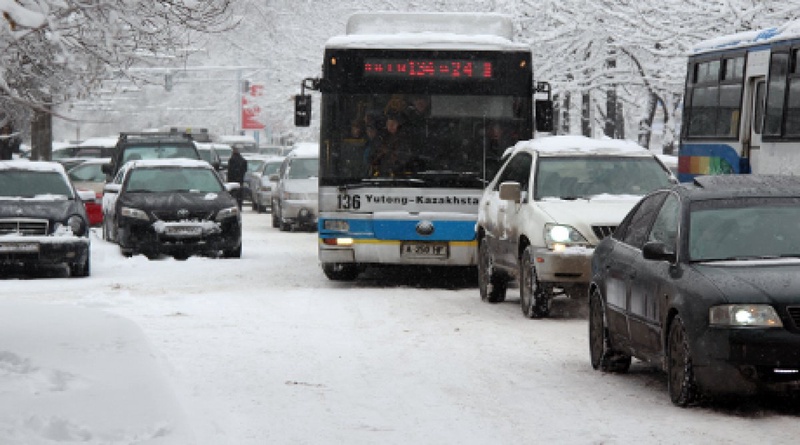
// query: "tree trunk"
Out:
[586,113]
[646,124]
[42,136]
[564,118]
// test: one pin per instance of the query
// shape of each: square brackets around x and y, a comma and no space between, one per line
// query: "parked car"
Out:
[296,195]
[701,279]
[261,185]
[72,155]
[551,202]
[177,207]
[254,164]
[89,176]
[150,145]
[42,217]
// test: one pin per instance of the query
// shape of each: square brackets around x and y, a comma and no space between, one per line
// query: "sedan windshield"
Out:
[33,184]
[173,179]
[572,177]
[744,229]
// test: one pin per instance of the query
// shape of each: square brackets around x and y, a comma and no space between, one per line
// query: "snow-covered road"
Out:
[266,350]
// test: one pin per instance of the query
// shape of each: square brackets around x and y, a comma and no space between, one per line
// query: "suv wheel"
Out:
[492,285]
[535,301]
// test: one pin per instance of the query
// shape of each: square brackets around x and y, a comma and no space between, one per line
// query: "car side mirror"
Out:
[658,251]
[87,195]
[231,186]
[112,188]
[510,191]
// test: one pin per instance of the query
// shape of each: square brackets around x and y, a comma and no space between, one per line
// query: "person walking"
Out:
[9,143]
[237,167]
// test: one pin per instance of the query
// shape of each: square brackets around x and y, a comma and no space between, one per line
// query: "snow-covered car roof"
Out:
[581,146]
[109,142]
[305,150]
[44,166]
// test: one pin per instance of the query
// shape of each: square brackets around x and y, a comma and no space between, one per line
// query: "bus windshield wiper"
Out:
[371,182]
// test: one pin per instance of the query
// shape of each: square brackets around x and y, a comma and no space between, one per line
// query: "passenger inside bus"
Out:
[394,152]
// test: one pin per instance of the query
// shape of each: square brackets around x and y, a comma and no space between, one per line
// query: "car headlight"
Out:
[559,236]
[228,213]
[130,212]
[77,225]
[733,315]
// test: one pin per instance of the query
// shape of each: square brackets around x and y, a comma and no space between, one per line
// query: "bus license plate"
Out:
[19,247]
[424,250]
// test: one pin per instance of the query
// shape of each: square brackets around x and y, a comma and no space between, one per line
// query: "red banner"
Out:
[250,110]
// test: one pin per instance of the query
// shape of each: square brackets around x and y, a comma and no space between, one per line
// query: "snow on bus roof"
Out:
[428,31]
[743,39]
[580,144]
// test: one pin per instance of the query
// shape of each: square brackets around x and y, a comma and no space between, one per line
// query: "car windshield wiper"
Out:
[740,258]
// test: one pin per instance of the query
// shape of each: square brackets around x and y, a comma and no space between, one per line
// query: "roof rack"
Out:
[155,135]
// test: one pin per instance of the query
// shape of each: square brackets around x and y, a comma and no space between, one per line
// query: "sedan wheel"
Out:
[680,373]
[491,284]
[534,300]
[601,353]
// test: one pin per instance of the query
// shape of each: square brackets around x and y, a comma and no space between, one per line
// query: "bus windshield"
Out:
[428,140]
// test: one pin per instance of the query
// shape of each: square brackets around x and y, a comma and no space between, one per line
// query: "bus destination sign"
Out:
[428,68]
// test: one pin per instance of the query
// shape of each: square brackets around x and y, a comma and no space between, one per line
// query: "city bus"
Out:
[742,105]
[416,112]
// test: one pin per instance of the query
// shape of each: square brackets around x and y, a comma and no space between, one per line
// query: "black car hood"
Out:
[762,281]
[157,202]
[59,209]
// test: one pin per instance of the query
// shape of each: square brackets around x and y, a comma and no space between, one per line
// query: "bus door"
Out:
[751,142]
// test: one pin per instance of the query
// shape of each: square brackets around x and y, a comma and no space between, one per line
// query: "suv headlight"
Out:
[559,236]
[130,212]
[740,315]
[228,213]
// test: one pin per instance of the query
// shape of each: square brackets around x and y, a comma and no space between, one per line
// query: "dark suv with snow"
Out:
[150,145]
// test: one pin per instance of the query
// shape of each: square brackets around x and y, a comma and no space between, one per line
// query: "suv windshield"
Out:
[173,179]
[584,176]
[158,151]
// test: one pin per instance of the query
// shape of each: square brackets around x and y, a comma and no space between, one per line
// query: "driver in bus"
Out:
[393,154]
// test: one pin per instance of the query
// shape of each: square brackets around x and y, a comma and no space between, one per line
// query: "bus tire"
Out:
[340,271]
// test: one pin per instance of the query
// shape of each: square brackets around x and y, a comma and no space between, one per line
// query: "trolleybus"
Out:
[742,105]
[416,112]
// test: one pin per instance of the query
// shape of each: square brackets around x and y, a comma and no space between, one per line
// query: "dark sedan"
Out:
[176,207]
[42,218]
[703,280]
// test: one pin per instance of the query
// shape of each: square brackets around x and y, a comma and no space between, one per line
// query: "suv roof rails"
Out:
[155,135]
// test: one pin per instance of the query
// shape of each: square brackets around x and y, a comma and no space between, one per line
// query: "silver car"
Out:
[295,200]
[263,182]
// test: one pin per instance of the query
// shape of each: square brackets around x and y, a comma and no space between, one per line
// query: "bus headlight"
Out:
[740,315]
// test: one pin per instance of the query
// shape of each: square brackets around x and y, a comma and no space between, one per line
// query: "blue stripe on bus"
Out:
[401,230]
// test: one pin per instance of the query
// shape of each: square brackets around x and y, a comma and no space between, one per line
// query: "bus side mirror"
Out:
[544,116]
[302,110]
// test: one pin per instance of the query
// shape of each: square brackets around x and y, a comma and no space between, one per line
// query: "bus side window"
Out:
[776,94]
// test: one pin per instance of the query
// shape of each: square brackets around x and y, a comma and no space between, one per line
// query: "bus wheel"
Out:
[340,271]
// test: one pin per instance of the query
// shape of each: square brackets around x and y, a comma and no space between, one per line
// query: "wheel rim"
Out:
[596,340]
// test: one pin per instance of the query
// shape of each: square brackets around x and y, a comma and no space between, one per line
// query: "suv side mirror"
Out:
[510,191]
[302,110]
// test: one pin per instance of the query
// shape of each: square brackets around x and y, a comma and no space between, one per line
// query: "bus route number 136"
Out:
[349,202]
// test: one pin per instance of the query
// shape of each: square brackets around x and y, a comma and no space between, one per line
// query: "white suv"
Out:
[551,202]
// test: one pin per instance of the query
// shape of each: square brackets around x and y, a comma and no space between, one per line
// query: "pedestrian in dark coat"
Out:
[237,167]
[9,143]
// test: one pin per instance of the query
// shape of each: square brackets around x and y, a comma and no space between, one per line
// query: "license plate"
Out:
[424,250]
[183,230]
[19,247]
